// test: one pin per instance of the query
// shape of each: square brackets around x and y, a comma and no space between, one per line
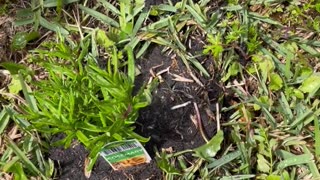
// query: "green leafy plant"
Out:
[82,101]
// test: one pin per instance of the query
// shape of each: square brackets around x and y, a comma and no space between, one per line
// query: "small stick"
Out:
[199,122]
[163,71]
[196,79]
[153,74]
[218,116]
[180,105]
[154,67]
[235,85]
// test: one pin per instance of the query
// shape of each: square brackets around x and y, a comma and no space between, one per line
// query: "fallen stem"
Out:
[199,122]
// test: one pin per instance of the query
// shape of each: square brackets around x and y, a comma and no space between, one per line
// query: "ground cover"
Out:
[214,90]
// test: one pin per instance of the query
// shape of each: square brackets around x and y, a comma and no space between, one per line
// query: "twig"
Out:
[199,122]
[154,67]
[196,79]
[235,84]
[218,116]
[180,105]
[163,71]
[153,74]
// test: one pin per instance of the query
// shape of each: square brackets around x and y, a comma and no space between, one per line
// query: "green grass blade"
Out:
[9,164]
[110,7]
[198,65]
[82,138]
[53,26]
[309,49]
[283,51]
[286,108]
[133,42]
[238,177]
[301,119]
[158,25]
[232,8]
[224,160]
[30,99]
[162,41]
[316,136]
[199,19]
[24,13]
[21,122]
[5,156]
[103,18]
[167,8]
[136,10]
[143,49]
[295,160]
[175,35]
[142,17]
[312,165]
[131,64]
[23,157]
[23,22]
[203,3]
[115,60]
[263,18]
[4,120]
[308,42]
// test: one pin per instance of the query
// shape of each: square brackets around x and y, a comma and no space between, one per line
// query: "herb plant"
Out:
[79,99]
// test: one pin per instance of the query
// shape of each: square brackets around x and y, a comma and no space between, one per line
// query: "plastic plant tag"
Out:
[124,154]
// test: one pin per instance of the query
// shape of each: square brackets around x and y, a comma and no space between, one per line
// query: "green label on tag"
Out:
[123,154]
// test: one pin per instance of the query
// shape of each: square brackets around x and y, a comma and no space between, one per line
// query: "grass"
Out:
[265,52]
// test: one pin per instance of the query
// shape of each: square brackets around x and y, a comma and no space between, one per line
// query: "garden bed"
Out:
[223,90]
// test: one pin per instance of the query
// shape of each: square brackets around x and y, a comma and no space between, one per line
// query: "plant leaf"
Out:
[210,149]
[276,82]
[4,120]
[295,160]
[103,18]
[225,159]
[53,26]
[14,68]
[15,85]
[311,85]
[263,164]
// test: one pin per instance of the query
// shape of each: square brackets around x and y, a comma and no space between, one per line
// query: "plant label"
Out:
[125,154]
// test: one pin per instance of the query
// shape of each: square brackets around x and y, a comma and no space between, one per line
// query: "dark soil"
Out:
[167,128]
